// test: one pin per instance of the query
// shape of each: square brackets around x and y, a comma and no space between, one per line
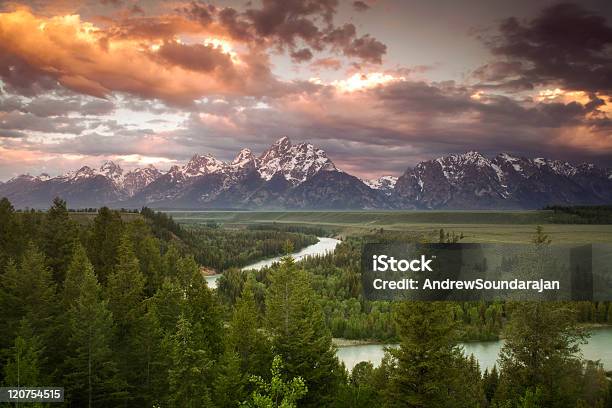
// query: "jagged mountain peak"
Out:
[243,158]
[201,165]
[301,175]
[277,149]
[296,163]
[110,167]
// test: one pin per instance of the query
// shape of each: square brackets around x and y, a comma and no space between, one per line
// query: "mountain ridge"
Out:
[301,176]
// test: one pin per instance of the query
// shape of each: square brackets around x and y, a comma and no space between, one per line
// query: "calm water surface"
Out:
[599,347]
[322,247]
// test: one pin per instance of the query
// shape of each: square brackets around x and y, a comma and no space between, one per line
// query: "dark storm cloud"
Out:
[367,48]
[45,107]
[360,6]
[302,55]
[23,78]
[565,44]
[340,37]
[196,57]
[291,24]
[447,99]
[56,104]
[204,13]
[238,28]
[18,121]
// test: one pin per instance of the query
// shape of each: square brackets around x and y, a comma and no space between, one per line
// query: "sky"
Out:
[380,85]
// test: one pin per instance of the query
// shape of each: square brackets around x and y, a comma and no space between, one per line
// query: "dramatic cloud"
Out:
[79,56]
[291,24]
[360,6]
[566,45]
[82,81]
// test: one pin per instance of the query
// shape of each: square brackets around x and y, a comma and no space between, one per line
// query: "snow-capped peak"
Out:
[243,159]
[110,168]
[201,165]
[139,178]
[296,163]
[382,183]
[112,171]
[277,149]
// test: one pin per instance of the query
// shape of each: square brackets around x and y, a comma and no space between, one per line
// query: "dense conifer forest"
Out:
[117,311]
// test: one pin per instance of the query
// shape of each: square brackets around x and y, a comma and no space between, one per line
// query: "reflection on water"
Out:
[323,246]
[599,347]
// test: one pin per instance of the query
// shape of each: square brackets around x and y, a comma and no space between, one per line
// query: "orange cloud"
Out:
[84,58]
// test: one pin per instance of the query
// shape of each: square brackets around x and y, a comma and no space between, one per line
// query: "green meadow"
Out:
[476,226]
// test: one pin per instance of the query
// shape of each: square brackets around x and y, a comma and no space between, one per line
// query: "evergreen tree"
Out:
[229,386]
[23,366]
[166,305]
[27,292]
[11,235]
[361,391]
[92,377]
[103,242]
[59,234]
[245,337]
[429,366]
[147,249]
[78,268]
[201,307]
[300,336]
[542,342]
[125,287]
[149,361]
[490,381]
[191,374]
[125,293]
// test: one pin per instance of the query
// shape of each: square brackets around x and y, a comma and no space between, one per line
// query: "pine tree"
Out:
[201,307]
[27,292]
[300,336]
[149,361]
[125,287]
[542,342]
[78,268]
[11,236]
[92,377]
[125,293]
[191,374]
[166,305]
[23,366]
[490,381]
[229,386]
[147,249]
[103,242]
[245,338]
[59,234]
[429,368]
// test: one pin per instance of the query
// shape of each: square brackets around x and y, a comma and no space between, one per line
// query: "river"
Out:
[323,246]
[599,347]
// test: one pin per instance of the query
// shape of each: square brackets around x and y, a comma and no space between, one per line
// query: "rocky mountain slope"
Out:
[301,176]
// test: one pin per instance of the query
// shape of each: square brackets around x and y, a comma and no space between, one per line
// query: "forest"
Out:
[116,310]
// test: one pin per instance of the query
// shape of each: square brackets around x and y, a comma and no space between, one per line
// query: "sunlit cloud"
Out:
[360,81]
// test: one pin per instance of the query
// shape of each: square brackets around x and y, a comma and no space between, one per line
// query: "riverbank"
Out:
[351,352]
[323,246]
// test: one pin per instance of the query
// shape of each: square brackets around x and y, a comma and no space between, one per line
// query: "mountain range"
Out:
[301,176]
